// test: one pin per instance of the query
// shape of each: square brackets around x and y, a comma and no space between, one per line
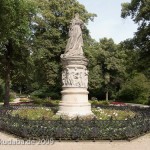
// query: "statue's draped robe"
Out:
[75,42]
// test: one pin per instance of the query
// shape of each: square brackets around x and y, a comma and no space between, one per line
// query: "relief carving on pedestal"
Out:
[75,77]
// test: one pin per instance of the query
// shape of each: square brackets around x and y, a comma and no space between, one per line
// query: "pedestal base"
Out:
[74,103]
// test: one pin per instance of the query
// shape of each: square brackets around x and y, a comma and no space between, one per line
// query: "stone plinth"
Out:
[75,83]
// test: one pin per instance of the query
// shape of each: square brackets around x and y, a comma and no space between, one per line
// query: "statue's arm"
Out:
[71,27]
[82,25]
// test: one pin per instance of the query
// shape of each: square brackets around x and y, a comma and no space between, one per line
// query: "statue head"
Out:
[77,15]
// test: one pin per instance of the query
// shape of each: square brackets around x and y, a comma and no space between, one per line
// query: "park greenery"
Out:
[33,35]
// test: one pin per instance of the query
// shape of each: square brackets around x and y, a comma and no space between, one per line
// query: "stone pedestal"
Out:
[75,83]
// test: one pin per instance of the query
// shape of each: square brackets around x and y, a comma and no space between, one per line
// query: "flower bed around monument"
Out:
[46,113]
[77,129]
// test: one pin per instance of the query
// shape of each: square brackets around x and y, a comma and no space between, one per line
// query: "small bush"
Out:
[38,93]
[93,98]
[12,96]
[44,93]
[44,102]
[37,100]
[96,102]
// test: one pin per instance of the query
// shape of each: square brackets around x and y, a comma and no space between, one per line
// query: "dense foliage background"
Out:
[33,35]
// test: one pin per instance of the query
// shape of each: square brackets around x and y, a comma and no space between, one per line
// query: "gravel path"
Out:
[17,100]
[142,143]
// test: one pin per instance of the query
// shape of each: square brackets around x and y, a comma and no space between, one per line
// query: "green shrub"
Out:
[44,102]
[136,89]
[38,93]
[37,100]
[101,102]
[12,96]
[93,98]
[44,93]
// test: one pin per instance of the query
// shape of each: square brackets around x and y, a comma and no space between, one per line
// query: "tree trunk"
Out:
[20,91]
[8,56]
[7,86]
[107,95]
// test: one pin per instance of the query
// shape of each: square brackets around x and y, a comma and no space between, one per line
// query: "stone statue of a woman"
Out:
[75,42]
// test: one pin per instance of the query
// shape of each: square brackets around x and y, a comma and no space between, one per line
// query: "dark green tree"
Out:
[132,57]
[91,48]
[139,10]
[15,32]
[136,89]
[107,67]
[111,61]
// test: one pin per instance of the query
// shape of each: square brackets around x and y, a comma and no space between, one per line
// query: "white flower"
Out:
[116,114]
[99,108]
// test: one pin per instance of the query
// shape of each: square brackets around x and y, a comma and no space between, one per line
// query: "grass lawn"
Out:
[48,114]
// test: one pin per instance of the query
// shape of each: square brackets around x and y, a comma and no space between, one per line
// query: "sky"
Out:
[108,22]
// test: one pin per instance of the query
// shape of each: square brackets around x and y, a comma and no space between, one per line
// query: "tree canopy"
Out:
[139,11]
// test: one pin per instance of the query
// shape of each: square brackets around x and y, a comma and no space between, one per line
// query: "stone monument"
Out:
[75,74]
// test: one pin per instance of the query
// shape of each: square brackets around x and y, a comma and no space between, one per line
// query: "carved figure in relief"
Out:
[75,77]
[86,77]
[69,77]
[64,77]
